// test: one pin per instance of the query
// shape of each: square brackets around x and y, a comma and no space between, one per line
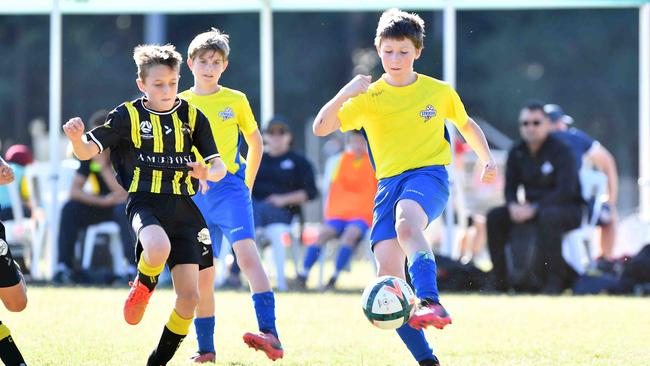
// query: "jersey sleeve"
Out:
[84,168]
[246,119]
[203,139]
[353,113]
[456,112]
[111,132]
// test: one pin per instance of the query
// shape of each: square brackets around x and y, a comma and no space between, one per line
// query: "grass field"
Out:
[84,326]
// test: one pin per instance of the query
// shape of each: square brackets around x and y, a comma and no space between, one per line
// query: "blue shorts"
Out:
[266,214]
[427,186]
[339,225]
[227,210]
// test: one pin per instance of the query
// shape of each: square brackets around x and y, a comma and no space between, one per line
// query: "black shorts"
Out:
[9,275]
[181,220]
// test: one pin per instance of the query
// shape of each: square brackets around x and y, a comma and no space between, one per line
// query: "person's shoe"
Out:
[331,284]
[430,362]
[203,357]
[266,342]
[136,302]
[428,312]
[63,277]
[301,282]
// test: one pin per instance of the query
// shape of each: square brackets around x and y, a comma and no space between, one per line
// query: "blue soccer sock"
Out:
[313,252]
[343,257]
[205,333]
[415,342]
[264,303]
[423,276]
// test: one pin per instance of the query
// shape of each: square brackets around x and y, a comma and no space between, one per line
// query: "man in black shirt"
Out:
[284,182]
[546,169]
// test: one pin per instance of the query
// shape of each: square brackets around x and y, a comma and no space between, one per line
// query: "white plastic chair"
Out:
[577,244]
[112,229]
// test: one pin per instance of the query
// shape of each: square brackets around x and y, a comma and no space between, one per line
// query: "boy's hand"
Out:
[358,85]
[204,185]
[489,173]
[74,128]
[199,171]
[6,174]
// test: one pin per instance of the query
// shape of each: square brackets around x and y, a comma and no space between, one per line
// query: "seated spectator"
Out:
[348,210]
[585,148]
[105,201]
[545,167]
[284,182]
[18,157]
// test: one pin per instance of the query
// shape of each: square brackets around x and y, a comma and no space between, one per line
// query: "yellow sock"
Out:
[148,270]
[4,331]
[178,325]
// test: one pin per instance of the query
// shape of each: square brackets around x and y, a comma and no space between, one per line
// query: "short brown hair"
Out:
[212,40]
[149,55]
[397,24]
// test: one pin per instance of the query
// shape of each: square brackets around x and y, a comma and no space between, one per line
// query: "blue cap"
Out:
[556,114]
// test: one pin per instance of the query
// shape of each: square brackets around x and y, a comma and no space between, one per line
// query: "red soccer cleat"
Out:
[429,313]
[203,357]
[136,302]
[266,342]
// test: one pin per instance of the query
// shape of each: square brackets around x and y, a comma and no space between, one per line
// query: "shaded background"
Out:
[585,60]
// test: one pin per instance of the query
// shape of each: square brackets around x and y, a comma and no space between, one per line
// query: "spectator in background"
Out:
[585,147]
[351,190]
[105,200]
[284,182]
[18,157]
[545,167]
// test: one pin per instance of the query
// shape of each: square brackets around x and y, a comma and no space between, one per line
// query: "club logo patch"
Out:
[428,113]
[204,237]
[227,114]
[4,247]
[145,129]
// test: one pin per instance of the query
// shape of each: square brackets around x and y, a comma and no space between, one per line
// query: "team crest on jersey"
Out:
[145,129]
[428,113]
[186,128]
[227,114]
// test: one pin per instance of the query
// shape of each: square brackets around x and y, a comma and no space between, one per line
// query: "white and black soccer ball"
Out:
[387,302]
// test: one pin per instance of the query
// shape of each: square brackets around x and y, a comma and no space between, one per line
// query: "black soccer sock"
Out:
[175,331]
[9,352]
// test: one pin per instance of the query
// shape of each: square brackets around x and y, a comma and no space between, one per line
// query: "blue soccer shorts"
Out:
[227,210]
[428,186]
[339,225]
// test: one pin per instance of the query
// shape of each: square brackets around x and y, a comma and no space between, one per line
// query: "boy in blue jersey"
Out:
[226,206]
[403,118]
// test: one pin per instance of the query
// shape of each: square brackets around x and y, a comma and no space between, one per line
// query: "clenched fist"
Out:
[74,128]
[358,85]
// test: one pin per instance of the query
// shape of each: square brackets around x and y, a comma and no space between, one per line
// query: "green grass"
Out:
[84,326]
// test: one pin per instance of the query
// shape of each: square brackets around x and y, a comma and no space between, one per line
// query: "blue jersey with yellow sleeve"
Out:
[229,114]
[405,126]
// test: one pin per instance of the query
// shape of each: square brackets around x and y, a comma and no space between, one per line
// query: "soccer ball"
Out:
[387,302]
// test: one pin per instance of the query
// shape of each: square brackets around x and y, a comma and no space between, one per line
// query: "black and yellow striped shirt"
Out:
[150,150]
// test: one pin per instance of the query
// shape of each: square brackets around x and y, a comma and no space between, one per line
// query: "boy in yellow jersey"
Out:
[13,292]
[151,141]
[403,117]
[226,205]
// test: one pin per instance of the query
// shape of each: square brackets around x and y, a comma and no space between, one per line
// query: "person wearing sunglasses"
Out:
[546,169]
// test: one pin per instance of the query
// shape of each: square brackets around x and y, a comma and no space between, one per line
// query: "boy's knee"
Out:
[189,299]
[405,230]
[16,305]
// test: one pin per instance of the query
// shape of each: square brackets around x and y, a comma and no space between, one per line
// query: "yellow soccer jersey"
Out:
[229,113]
[405,125]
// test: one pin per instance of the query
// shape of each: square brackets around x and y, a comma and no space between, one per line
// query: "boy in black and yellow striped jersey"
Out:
[12,285]
[151,141]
